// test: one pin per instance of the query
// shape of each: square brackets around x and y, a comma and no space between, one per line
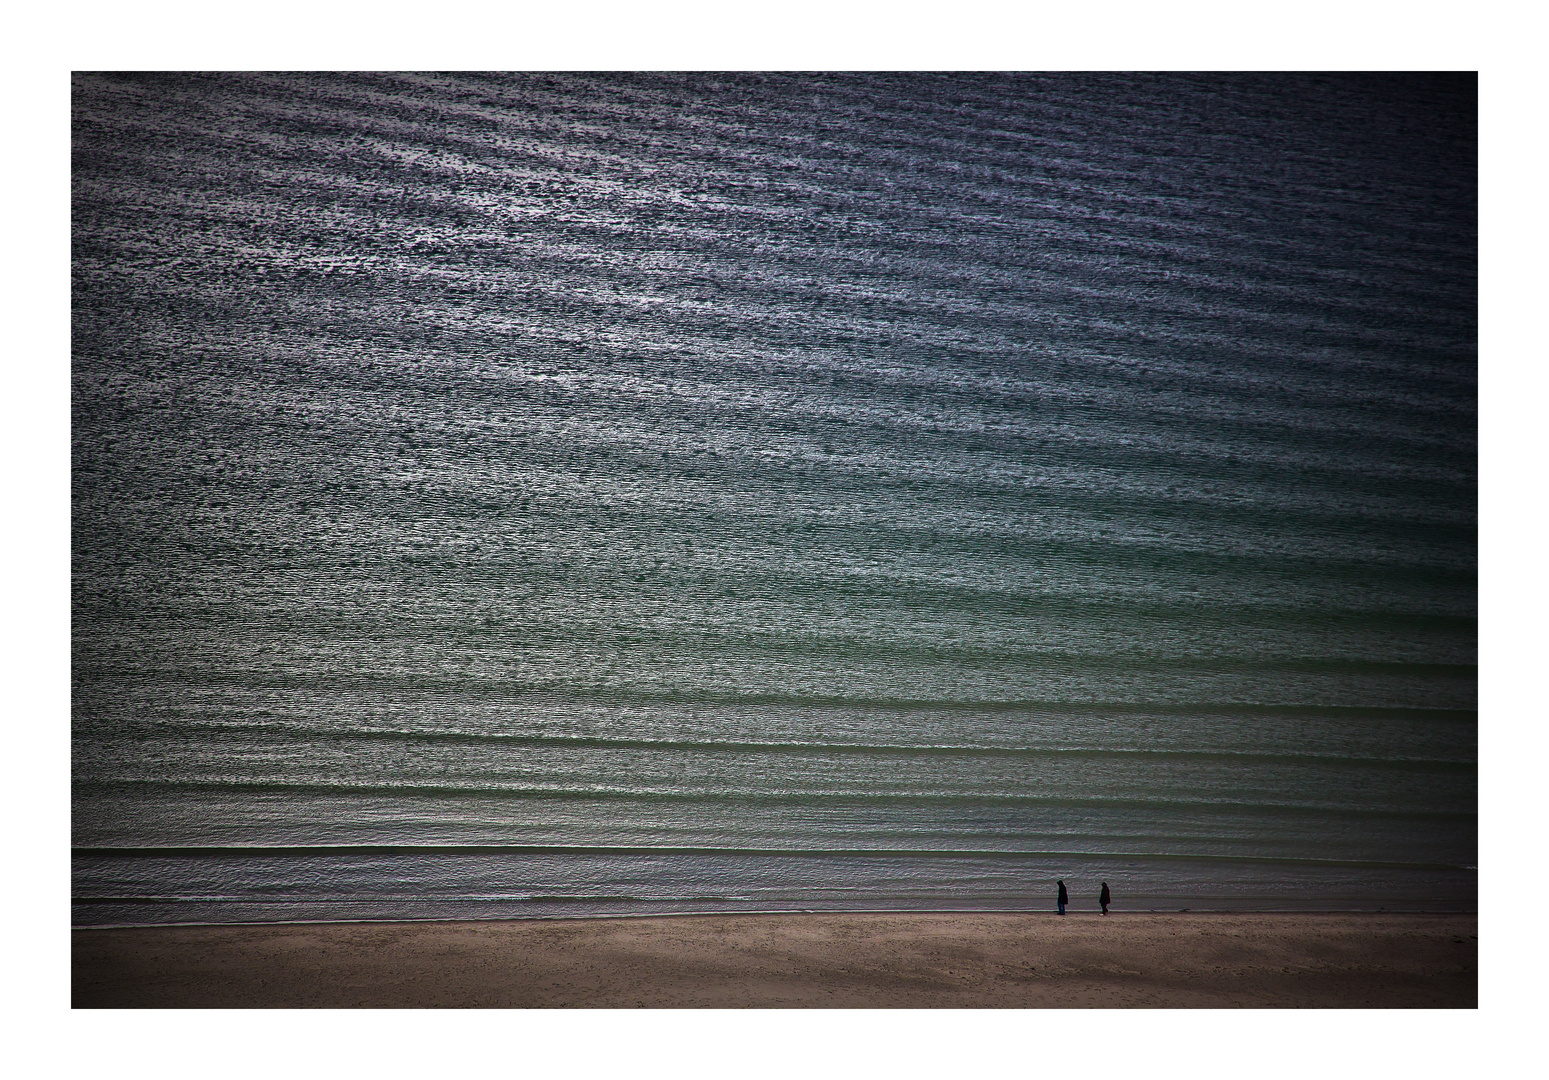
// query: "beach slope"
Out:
[998,960]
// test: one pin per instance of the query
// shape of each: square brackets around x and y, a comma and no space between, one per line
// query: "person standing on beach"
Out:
[1063,898]
[1105,898]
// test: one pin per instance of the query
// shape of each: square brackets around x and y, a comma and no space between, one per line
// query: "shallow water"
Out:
[607,494]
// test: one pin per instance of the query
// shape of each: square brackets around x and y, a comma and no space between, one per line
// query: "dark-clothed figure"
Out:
[1105,898]
[1064,897]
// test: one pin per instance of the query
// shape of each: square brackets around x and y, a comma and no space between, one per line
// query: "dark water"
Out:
[531,495]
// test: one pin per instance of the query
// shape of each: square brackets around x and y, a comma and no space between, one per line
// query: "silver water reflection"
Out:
[1068,464]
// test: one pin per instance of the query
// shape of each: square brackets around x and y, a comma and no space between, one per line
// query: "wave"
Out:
[798,747]
[815,798]
[651,850]
[549,694]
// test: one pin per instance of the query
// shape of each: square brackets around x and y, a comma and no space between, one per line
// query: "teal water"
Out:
[605,494]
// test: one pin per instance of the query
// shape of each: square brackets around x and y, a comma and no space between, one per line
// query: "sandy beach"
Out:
[1210,960]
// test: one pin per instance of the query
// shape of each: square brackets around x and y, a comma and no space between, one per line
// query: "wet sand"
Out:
[1210,960]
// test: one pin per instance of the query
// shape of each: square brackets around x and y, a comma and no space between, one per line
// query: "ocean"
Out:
[502,495]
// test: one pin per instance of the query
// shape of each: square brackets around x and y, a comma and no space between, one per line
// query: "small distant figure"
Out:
[1105,898]
[1063,898]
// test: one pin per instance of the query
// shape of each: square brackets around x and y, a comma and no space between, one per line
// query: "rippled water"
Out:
[568,494]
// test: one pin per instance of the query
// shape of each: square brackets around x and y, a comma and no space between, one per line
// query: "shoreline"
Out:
[795,960]
[753,913]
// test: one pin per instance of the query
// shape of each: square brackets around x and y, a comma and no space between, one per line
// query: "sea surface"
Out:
[581,494]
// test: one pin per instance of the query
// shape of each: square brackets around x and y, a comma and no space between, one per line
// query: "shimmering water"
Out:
[574,494]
